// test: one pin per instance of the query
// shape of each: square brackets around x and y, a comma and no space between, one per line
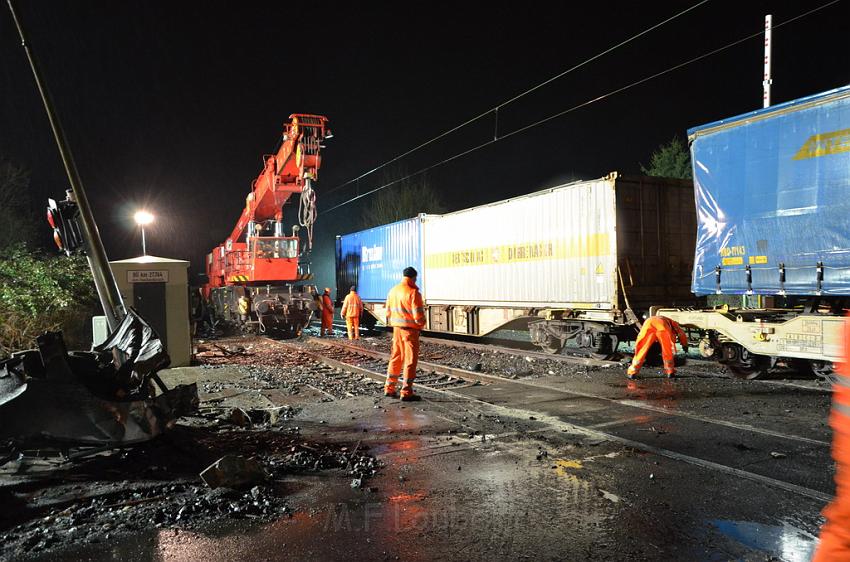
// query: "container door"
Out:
[149,301]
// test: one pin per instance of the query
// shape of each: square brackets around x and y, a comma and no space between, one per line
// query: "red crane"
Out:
[252,274]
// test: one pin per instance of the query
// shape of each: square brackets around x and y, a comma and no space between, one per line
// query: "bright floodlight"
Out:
[143,217]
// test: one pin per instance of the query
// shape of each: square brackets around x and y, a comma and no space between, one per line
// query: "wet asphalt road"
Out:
[579,465]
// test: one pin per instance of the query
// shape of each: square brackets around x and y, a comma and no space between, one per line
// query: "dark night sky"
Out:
[170,105]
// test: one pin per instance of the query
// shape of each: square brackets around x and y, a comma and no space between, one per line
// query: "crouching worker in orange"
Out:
[835,533]
[327,313]
[664,331]
[406,314]
[352,308]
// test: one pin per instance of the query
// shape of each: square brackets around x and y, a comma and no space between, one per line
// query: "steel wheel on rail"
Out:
[597,343]
[552,345]
[824,370]
[746,365]
[605,346]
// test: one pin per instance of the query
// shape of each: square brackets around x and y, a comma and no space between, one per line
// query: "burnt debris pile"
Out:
[190,477]
[107,396]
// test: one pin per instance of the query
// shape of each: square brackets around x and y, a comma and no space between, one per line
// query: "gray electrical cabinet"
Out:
[158,288]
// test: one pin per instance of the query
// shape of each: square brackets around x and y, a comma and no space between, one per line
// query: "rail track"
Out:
[637,424]
[565,357]
[347,355]
[371,362]
[523,351]
[492,348]
[808,383]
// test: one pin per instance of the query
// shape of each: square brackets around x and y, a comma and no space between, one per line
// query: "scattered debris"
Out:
[231,471]
[160,485]
[290,371]
[509,365]
[613,498]
[270,416]
[90,396]
[239,417]
[230,352]
[778,455]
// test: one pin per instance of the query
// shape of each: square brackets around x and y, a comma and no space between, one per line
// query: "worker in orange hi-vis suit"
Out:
[835,533]
[406,314]
[327,313]
[352,307]
[664,331]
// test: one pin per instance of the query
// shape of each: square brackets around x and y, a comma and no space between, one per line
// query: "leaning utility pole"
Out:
[104,281]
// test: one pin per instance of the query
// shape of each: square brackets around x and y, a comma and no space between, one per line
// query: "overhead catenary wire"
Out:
[579,106]
[495,109]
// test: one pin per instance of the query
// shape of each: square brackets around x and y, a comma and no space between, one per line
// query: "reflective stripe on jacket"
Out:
[352,306]
[404,305]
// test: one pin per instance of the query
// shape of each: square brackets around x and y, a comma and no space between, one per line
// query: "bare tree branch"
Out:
[404,200]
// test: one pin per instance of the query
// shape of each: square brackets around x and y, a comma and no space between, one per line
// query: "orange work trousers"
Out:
[655,329]
[327,323]
[835,533]
[352,323]
[403,359]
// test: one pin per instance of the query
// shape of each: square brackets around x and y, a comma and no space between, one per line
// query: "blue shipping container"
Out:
[373,260]
[773,195]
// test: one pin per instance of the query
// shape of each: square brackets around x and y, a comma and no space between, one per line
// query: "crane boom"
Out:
[296,163]
[258,253]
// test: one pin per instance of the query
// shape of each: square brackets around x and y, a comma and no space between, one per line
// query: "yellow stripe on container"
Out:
[594,245]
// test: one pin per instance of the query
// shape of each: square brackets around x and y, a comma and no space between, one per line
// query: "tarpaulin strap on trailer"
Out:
[717,273]
[630,314]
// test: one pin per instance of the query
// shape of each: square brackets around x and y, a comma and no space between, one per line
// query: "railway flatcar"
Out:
[772,194]
[576,265]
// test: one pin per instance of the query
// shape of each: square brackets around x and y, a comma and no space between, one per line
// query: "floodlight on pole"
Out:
[143,218]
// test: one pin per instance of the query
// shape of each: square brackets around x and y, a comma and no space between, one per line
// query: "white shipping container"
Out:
[549,249]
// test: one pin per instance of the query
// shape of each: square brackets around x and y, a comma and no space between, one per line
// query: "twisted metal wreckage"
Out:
[103,397]
[106,396]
